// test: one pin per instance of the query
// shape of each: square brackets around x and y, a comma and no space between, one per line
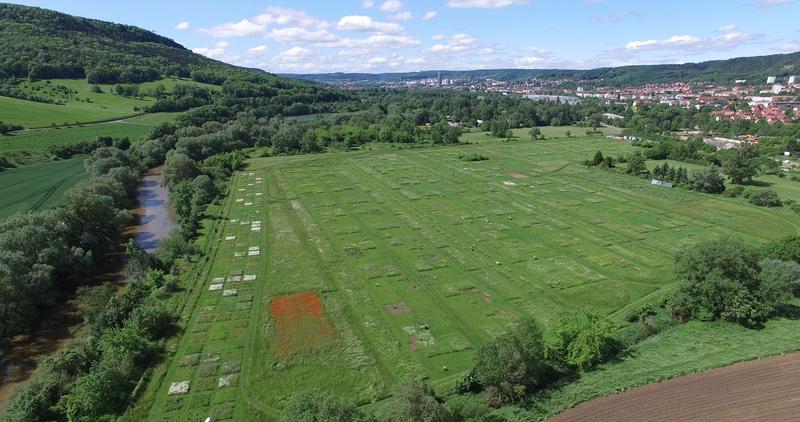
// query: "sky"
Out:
[319,36]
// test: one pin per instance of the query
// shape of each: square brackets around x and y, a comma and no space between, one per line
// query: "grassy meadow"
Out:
[34,144]
[38,186]
[80,104]
[350,271]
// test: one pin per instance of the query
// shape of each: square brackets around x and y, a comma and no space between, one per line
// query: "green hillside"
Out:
[753,68]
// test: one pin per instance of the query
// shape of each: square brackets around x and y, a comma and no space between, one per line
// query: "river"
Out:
[154,219]
[153,222]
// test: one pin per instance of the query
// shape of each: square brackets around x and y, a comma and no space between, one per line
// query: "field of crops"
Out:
[348,272]
[38,186]
[36,142]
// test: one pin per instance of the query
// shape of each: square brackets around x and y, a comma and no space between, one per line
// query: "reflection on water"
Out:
[154,219]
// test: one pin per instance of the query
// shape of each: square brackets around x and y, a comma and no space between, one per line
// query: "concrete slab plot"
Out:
[230,292]
[249,277]
[215,287]
[230,237]
[179,387]
[235,278]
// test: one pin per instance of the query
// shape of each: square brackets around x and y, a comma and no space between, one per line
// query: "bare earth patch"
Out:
[764,389]
[397,308]
[516,175]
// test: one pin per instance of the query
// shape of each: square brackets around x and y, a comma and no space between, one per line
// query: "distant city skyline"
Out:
[305,36]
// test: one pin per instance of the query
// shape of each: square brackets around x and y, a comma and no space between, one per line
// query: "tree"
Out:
[535,133]
[598,158]
[780,278]
[636,165]
[320,406]
[579,341]
[786,249]
[765,198]
[722,279]
[707,180]
[743,165]
[177,168]
[415,401]
[512,364]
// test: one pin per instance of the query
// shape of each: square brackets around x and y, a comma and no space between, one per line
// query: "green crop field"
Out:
[33,145]
[350,271]
[38,186]
[80,104]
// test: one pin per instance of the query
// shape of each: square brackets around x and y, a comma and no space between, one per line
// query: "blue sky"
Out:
[306,36]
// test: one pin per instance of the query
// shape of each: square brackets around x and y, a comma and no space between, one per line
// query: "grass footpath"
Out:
[351,271]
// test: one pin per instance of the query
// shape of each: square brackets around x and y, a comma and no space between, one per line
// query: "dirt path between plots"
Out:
[764,389]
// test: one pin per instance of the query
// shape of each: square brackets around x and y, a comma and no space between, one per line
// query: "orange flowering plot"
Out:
[300,323]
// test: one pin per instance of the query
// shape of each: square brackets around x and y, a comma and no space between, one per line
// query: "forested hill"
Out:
[753,68]
[43,44]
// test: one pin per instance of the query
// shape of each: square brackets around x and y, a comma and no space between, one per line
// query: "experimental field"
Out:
[350,271]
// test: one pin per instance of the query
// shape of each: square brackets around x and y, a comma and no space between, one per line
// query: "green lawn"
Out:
[38,186]
[418,258]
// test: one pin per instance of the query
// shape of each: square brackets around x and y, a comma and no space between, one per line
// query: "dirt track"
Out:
[760,390]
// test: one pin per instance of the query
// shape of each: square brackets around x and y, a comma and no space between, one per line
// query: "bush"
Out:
[512,365]
[317,405]
[473,157]
[722,279]
[579,341]
[765,198]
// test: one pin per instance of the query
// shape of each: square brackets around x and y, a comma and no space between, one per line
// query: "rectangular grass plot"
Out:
[300,323]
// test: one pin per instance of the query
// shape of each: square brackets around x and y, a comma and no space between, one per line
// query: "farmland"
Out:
[33,145]
[80,103]
[348,272]
[38,186]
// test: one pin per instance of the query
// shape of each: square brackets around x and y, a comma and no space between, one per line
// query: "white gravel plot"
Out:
[235,220]
[241,189]
[249,277]
[230,237]
[244,223]
[226,380]
[254,251]
[259,193]
[230,292]
[247,204]
[180,387]
[215,287]
[256,229]
[235,278]
[251,184]
[238,254]
[239,199]
[251,174]
[218,280]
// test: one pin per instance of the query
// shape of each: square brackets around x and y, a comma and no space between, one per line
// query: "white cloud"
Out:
[243,28]
[727,28]
[484,4]
[430,15]
[295,53]
[455,44]
[292,35]
[214,53]
[222,44]
[391,5]
[367,24]
[273,15]
[674,41]
[772,3]
[258,49]
[401,16]
[181,26]
[367,4]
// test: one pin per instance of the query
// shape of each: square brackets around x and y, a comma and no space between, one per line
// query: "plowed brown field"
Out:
[761,390]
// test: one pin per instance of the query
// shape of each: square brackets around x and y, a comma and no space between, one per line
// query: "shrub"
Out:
[473,157]
[579,341]
[765,198]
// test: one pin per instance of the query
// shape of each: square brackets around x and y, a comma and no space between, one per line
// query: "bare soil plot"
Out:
[765,389]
